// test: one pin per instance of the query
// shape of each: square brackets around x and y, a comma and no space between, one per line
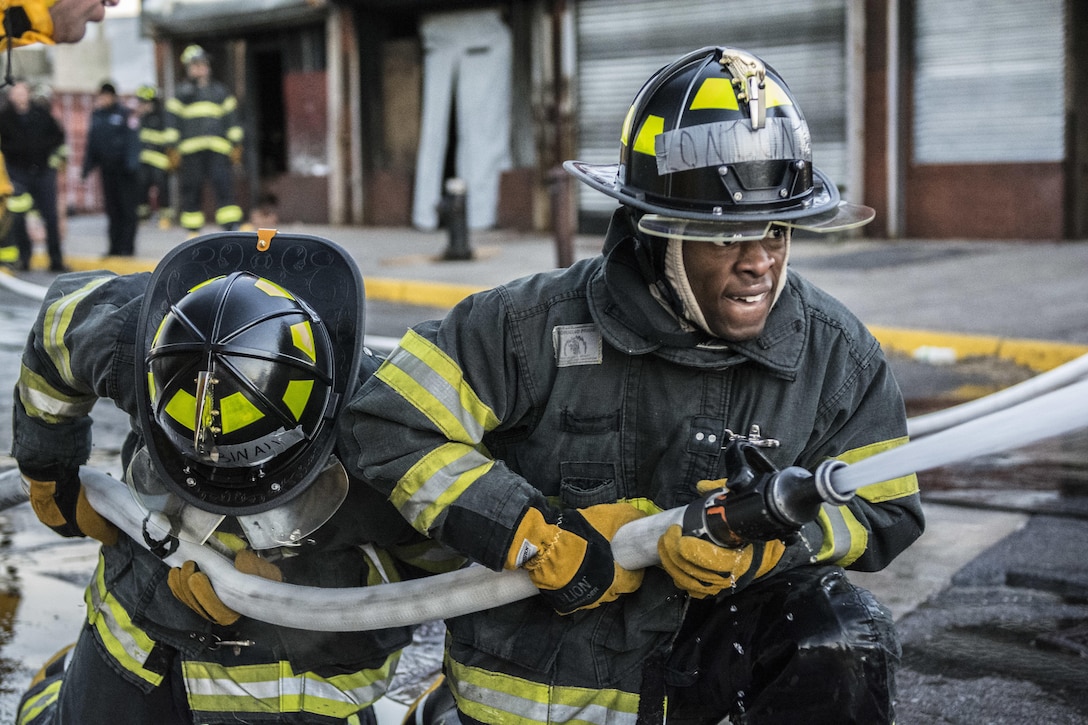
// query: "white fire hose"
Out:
[635,545]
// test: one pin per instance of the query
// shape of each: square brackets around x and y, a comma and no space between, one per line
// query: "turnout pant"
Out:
[41,184]
[195,169]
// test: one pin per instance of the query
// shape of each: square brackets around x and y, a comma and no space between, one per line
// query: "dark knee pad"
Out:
[804,646]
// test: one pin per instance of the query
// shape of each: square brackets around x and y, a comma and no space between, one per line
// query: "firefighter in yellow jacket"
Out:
[205,114]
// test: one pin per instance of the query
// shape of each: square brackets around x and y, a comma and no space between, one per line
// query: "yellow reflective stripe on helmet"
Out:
[302,336]
[297,396]
[58,317]
[270,288]
[236,411]
[776,95]
[845,539]
[44,402]
[647,135]
[127,644]
[20,203]
[884,490]
[182,408]
[37,703]
[495,697]
[275,688]
[436,481]
[715,93]
[205,143]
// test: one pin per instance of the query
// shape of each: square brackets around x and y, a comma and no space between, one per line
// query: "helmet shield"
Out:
[250,345]
[716,137]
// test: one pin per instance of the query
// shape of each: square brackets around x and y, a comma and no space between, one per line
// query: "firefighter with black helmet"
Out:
[233,360]
[204,115]
[536,419]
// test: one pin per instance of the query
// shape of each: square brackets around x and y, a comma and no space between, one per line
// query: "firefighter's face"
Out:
[735,283]
[198,70]
[70,17]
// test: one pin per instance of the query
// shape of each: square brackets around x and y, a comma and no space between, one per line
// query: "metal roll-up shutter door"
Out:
[989,81]
[621,43]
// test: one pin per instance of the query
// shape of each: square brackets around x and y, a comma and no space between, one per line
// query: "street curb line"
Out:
[942,347]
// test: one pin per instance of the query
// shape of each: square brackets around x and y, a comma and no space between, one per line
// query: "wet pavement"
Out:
[992,601]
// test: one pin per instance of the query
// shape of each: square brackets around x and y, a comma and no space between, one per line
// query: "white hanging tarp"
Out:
[467,68]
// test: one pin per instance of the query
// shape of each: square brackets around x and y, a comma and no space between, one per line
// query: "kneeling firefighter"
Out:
[232,359]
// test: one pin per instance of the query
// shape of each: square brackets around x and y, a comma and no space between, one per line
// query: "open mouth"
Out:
[749,299]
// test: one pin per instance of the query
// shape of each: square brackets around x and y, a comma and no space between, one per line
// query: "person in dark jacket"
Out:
[113,148]
[33,145]
[209,143]
[683,367]
[233,362]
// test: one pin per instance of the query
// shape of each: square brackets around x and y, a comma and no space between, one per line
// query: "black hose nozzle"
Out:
[759,502]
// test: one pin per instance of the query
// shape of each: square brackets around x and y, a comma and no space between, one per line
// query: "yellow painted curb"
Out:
[1037,355]
[426,294]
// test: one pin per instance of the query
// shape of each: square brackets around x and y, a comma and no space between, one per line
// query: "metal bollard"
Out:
[452,212]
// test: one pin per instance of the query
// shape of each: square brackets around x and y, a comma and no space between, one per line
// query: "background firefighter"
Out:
[537,418]
[204,114]
[156,136]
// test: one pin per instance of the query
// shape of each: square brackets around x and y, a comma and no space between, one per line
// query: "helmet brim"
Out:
[824,213]
[317,272]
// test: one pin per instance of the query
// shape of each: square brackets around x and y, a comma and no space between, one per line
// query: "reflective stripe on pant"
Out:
[196,168]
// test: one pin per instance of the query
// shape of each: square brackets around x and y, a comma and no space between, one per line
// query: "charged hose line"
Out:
[924,425]
[635,545]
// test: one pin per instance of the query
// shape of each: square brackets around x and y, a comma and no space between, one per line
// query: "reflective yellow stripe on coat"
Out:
[431,381]
[845,539]
[127,644]
[493,697]
[276,688]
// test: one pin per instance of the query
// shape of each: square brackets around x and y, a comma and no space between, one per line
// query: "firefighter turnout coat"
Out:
[578,387]
[83,348]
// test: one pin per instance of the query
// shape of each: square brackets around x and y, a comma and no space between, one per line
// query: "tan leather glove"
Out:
[236,155]
[568,555]
[59,501]
[173,159]
[704,569]
[194,589]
